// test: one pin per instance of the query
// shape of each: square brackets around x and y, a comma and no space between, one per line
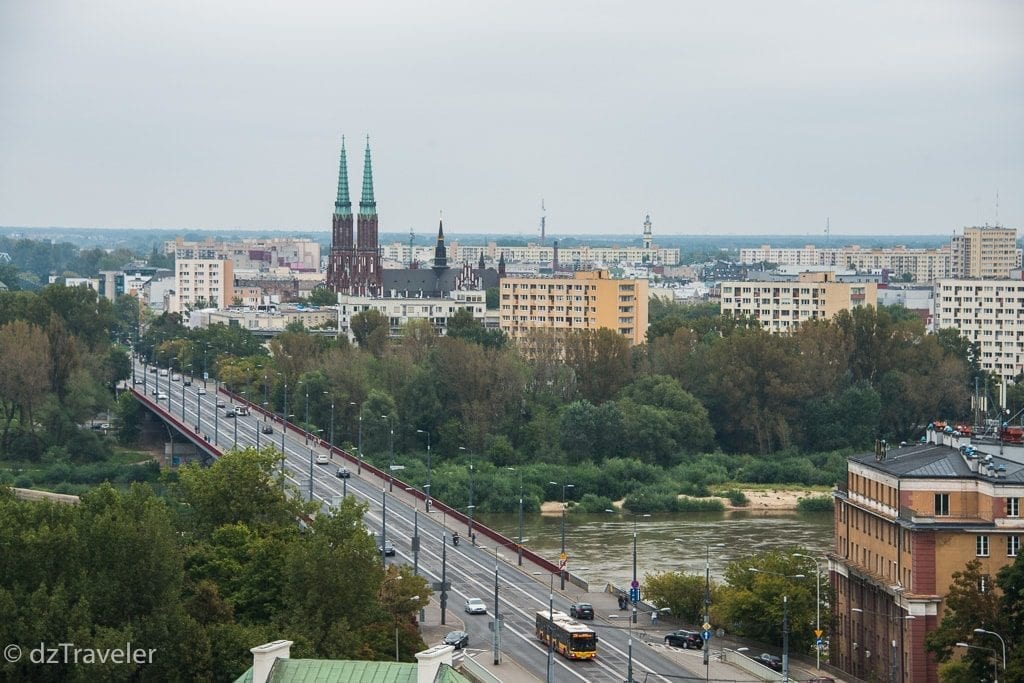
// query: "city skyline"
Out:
[878,118]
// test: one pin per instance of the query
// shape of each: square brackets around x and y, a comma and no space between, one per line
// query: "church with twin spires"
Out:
[354,266]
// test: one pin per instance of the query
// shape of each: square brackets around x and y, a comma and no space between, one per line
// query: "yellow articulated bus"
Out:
[569,638]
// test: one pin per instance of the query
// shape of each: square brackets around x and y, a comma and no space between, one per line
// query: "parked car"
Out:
[322,459]
[457,639]
[343,473]
[476,606]
[581,610]
[388,549]
[267,429]
[685,639]
[771,661]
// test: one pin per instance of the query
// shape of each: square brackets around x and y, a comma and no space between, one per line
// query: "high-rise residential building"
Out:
[781,306]
[984,252]
[208,282]
[906,519]
[916,265]
[253,254]
[583,300]
[989,313]
[354,266]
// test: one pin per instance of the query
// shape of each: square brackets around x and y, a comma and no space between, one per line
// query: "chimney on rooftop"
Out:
[264,656]
[430,660]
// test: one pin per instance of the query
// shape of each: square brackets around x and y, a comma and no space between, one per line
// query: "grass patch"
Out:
[815,504]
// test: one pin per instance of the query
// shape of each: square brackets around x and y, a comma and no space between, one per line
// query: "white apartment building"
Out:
[401,310]
[580,256]
[985,252]
[807,255]
[207,281]
[782,306]
[923,265]
[989,313]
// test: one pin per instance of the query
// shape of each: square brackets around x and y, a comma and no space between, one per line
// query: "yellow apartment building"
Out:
[781,306]
[586,300]
[905,520]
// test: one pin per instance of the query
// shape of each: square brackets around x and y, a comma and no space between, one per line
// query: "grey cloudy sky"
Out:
[729,117]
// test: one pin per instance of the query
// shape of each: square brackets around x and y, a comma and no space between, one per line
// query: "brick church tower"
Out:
[354,265]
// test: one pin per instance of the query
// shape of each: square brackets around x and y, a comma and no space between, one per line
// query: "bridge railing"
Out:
[384,476]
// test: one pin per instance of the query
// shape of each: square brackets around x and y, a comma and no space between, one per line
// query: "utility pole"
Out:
[383,526]
[497,616]
[785,637]
[444,575]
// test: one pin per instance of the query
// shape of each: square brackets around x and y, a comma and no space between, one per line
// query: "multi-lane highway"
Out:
[395,514]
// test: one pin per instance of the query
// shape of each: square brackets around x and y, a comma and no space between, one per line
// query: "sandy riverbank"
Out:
[760,499]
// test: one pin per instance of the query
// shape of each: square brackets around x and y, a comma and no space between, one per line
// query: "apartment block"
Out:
[781,306]
[586,300]
[917,265]
[202,281]
[985,252]
[989,313]
[906,519]
[400,310]
[261,255]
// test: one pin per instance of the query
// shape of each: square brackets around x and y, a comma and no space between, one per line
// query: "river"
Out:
[600,546]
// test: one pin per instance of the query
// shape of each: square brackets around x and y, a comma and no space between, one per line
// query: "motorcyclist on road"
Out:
[455,538]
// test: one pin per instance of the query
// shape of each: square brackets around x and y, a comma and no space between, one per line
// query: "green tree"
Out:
[682,593]
[601,360]
[970,603]
[753,602]
[322,296]
[370,329]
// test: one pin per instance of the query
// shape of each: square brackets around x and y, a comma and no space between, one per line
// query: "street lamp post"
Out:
[391,452]
[332,422]
[469,505]
[520,548]
[563,558]
[817,606]
[1002,642]
[284,426]
[785,617]
[995,670]
[426,497]
[359,445]
[383,526]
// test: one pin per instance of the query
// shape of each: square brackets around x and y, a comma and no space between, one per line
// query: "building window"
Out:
[941,504]
[1012,546]
[982,546]
[1013,507]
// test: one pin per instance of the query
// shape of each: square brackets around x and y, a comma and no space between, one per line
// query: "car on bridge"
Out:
[229,413]
[322,459]
[457,639]
[152,370]
[161,396]
[138,381]
[221,403]
[175,378]
[388,549]
[685,639]
[475,606]
[581,610]
[267,429]
[163,373]
[343,473]
[187,383]
[201,391]
[773,662]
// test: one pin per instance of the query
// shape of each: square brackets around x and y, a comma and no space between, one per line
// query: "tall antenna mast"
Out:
[997,207]
[543,220]
[412,258]
[828,230]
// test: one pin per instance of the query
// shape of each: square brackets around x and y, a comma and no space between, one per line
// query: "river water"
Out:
[600,546]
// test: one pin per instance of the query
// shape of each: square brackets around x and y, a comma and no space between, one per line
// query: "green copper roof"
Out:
[367,206]
[343,205]
[330,671]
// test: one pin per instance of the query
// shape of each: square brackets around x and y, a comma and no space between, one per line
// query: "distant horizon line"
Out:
[547,238]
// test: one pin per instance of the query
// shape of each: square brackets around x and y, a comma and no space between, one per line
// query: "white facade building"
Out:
[989,313]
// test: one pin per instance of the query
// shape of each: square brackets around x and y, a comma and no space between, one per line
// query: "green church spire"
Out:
[367,206]
[343,205]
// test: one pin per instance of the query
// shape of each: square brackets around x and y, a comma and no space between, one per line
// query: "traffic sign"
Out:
[634,595]
[818,633]
[705,634]
[563,557]
[446,586]
[706,626]
[634,584]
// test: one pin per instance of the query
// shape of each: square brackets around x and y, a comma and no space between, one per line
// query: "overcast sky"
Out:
[726,117]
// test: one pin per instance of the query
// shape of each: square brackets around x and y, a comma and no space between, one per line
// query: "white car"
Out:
[475,606]
[175,378]
[161,396]
[201,391]
[163,373]
[322,459]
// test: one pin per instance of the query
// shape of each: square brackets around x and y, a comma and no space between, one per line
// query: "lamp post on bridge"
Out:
[426,498]
[391,451]
[563,559]
[359,446]
[520,548]
[817,607]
